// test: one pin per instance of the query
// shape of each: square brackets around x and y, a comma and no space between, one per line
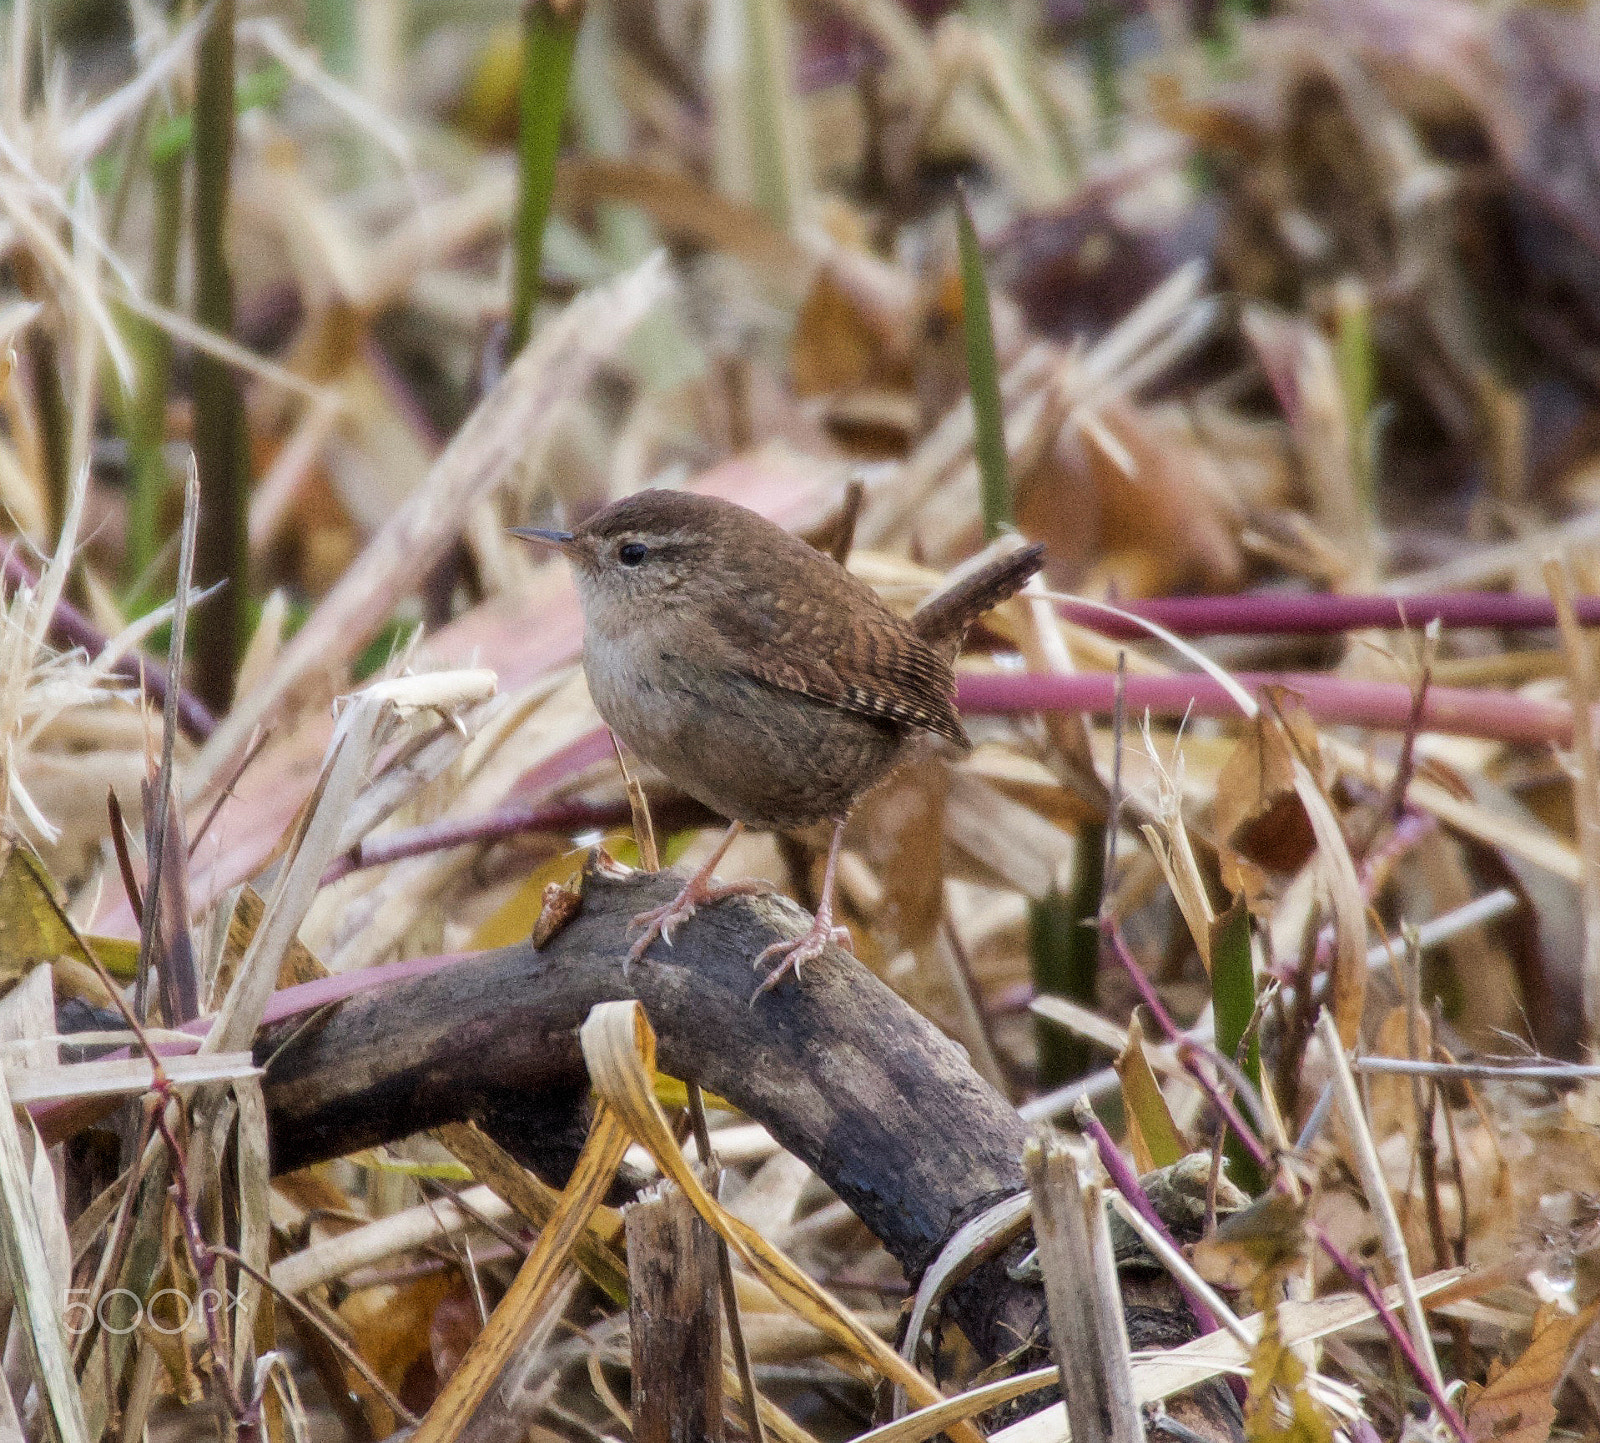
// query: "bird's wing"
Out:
[805,643]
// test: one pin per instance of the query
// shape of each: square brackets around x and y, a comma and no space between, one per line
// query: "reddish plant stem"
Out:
[1456,711]
[1410,828]
[514,820]
[538,815]
[119,843]
[1396,807]
[200,1255]
[1326,615]
[308,996]
[1300,977]
[70,627]
[1187,1053]
[204,1262]
[1188,1050]
[1126,1182]
[1186,616]
[530,811]
[1397,1335]
[121,1235]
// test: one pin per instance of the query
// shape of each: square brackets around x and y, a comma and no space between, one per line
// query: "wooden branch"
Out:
[1080,1286]
[884,1107]
[674,1320]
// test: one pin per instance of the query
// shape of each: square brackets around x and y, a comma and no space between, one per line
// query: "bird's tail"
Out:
[943,619]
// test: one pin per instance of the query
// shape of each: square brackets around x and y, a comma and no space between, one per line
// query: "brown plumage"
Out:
[943,620]
[755,672]
[822,632]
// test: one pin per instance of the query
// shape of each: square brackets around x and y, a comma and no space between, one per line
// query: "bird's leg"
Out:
[821,934]
[697,891]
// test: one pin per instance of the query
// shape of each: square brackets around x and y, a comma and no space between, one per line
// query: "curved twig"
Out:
[884,1107]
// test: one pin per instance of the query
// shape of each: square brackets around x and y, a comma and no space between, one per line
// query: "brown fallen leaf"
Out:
[1259,816]
[299,964]
[391,1327]
[454,1325]
[1390,1101]
[900,831]
[1517,1404]
[1138,496]
[845,336]
[535,907]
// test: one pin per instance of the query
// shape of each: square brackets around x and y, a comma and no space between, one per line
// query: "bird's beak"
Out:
[561,540]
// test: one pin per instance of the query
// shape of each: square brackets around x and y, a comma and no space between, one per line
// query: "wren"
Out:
[761,677]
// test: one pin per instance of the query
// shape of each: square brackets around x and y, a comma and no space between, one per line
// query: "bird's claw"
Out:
[661,921]
[658,922]
[821,935]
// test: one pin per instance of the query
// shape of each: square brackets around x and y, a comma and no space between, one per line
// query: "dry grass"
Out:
[1307,309]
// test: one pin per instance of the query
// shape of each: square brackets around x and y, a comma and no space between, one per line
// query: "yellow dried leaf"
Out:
[619,1050]
[487,109]
[35,928]
[1256,1240]
[1277,1374]
[542,1278]
[119,955]
[1153,1136]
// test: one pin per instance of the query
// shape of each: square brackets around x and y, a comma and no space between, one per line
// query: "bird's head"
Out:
[639,553]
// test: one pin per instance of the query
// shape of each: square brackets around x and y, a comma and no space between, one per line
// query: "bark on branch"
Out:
[884,1107]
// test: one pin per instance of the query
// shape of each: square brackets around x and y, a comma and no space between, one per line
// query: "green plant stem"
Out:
[1233,1001]
[983,379]
[1064,949]
[147,424]
[1101,19]
[175,134]
[331,25]
[770,113]
[221,443]
[1356,360]
[549,40]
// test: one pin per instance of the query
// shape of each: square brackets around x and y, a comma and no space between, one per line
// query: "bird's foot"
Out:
[697,892]
[821,935]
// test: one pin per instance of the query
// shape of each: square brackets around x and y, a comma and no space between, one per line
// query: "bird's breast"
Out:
[750,751]
[639,687]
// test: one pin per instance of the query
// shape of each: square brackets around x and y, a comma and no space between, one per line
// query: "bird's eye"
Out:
[633,553]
